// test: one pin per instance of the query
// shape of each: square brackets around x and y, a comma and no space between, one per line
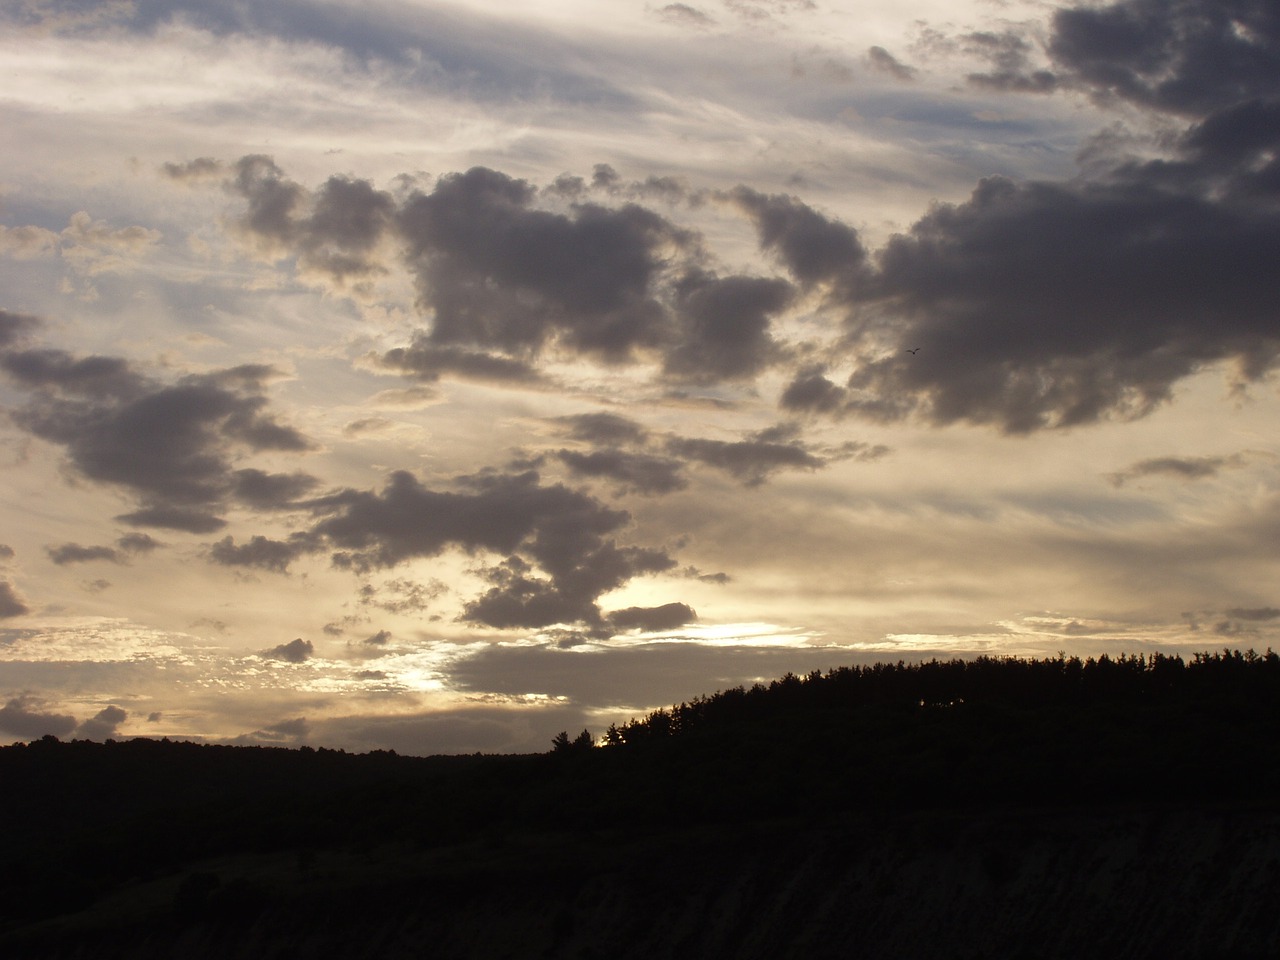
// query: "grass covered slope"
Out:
[996,807]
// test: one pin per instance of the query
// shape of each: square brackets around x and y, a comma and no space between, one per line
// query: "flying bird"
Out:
[914,351]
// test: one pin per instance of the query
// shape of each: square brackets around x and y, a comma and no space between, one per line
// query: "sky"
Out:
[437,377]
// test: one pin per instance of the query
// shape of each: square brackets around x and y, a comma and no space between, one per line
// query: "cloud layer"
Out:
[529,369]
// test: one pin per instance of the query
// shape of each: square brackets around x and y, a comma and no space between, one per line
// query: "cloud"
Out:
[1186,468]
[18,718]
[11,605]
[14,327]
[603,428]
[103,724]
[128,545]
[725,327]
[1045,304]
[444,49]
[665,617]
[640,472]
[1193,58]
[401,595]
[199,169]
[1053,305]
[811,392]
[335,232]
[137,543]
[74,553]
[814,248]
[560,552]
[27,242]
[884,61]
[1254,613]
[684,15]
[174,518]
[501,274]
[170,445]
[286,731]
[752,460]
[1010,54]
[428,361]
[295,651]
[270,491]
[258,551]
[379,639]
[95,246]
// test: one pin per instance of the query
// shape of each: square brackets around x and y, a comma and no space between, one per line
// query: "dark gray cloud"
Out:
[668,616]
[811,392]
[605,429]
[14,327]
[1254,613]
[1186,468]
[95,377]
[429,361]
[559,543]
[137,543]
[75,553]
[270,491]
[640,472]
[258,551]
[295,651]
[884,61]
[20,717]
[174,518]
[6,551]
[501,274]
[1191,58]
[752,460]
[657,464]
[201,168]
[724,327]
[379,639]
[102,725]
[1010,53]
[1045,304]
[126,546]
[11,605]
[286,731]
[502,279]
[814,248]
[170,445]
[334,231]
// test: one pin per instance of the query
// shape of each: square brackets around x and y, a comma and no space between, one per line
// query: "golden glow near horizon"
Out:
[486,372]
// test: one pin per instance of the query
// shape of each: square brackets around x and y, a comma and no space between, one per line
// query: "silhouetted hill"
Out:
[997,807]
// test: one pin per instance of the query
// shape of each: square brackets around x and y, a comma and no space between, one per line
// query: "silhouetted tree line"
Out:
[1231,678]
[84,818]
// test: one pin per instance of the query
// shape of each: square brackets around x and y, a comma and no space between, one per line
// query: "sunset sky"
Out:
[437,377]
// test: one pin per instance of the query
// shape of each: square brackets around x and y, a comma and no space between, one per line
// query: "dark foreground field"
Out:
[997,808]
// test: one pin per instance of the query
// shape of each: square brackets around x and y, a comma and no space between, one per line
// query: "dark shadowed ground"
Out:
[991,809]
